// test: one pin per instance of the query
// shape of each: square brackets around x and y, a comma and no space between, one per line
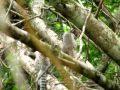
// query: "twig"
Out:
[1,53]
[84,26]
[99,7]
[16,13]
[5,65]
[82,33]
[21,21]
[9,9]
[25,20]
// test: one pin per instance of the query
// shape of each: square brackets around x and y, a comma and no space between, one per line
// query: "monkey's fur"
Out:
[69,44]
[41,64]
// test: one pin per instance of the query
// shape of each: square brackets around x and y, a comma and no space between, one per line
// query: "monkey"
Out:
[41,65]
[69,44]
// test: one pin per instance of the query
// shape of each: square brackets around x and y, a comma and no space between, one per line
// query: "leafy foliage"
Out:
[7,79]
